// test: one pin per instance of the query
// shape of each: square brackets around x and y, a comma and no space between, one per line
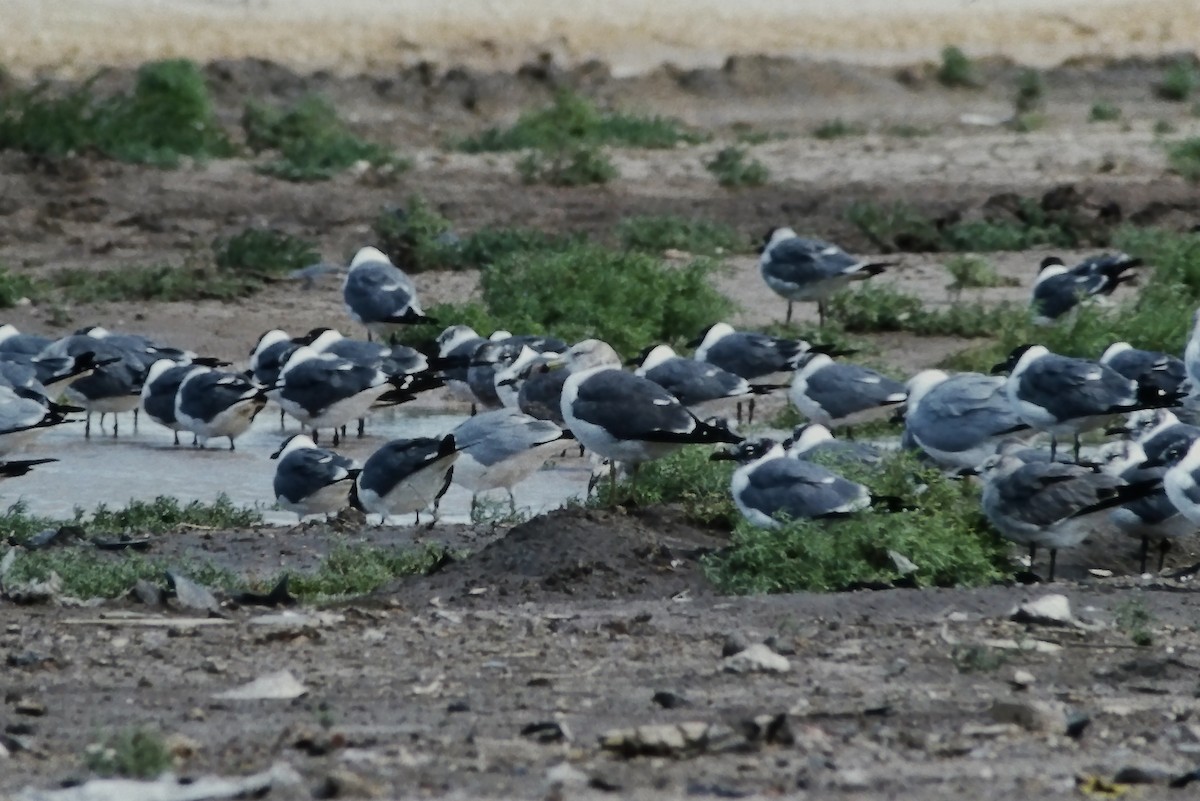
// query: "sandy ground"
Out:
[630,35]
[579,618]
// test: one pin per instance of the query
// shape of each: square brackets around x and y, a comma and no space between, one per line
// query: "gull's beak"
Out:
[999,369]
[275,455]
[967,472]
[555,361]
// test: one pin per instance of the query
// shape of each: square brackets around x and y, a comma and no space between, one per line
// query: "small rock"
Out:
[1021,679]
[1049,610]
[564,774]
[769,730]
[1035,716]
[214,665]
[669,700]
[281,685]
[458,706]
[148,593]
[668,740]
[897,666]
[181,746]
[191,595]
[545,732]
[1143,774]
[779,647]
[852,779]
[757,658]
[29,706]
[341,783]
[1077,723]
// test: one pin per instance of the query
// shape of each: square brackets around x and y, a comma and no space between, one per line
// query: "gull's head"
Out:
[296,442]
[920,384]
[806,437]
[94,331]
[711,335]
[1113,350]
[272,337]
[748,451]
[368,255]
[8,330]
[1145,423]
[1054,264]
[775,235]
[319,338]
[591,353]
[1020,358]
[454,336]
[811,362]
[653,356]
[158,368]
[299,356]
[999,465]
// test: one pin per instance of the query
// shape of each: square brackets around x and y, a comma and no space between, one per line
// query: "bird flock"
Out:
[533,396]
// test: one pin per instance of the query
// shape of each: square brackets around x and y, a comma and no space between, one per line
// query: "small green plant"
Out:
[732,168]
[900,227]
[907,131]
[263,252]
[1135,620]
[956,70]
[1028,122]
[1184,158]
[573,119]
[1103,111]
[1030,91]
[977,658]
[877,308]
[1163,127]
[15,287]
[137,753]
[571,165]
[498,512]
[687,478]
[159,516]
[661,233]
[837,129]
[359,569]
[943,534]
[312,142]
[1179,81]
[974,272]
[749,136]
[167,115]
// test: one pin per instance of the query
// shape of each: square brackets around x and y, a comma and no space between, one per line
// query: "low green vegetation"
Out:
[14,288]
[837,129]
[1135,620]
[656,234]
[88,573]
[1179,81]
[1103,111]
[359,569]
[1163,127]
[956,70]
[137,753]
[974,272]
[1030,91]
[574,119]
[907,131]
[418,238]
[943,534]
[1184,158]
[687,478]
[263,252]
[569,165]
[166,116]
[732,167]
[877,307]
[523,292]
[900,227]
[311,141]
[158,516]
[977,658]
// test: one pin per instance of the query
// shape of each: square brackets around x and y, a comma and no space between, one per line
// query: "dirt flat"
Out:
[580,617]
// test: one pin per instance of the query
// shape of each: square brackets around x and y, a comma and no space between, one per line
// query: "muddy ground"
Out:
[580,618]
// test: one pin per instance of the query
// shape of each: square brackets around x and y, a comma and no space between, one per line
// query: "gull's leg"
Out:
[788,319]
[1053,557]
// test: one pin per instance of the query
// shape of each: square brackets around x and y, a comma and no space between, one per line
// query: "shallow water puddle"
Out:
[144,464]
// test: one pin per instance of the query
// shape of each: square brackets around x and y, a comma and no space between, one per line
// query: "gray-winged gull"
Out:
[1057,289]
[311,480]
[797,268]
[501,448]
[958,420]
[829,392]
[405,476]
[379,295]
[216,403]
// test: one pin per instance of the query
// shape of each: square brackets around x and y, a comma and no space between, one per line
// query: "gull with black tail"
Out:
[215,403]
[1064,396]
[501,448]
[1156,369]
[1058,289]
[311,480]
[405,476]
[959,420]
[696,384]
[829,392]
[379,295]
[796,268]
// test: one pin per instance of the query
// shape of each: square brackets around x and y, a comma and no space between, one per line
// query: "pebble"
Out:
[757,658]
[1032,715]
[1021,679]
[1049,610]
[29,706]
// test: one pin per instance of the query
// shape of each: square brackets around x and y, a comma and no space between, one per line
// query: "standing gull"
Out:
[405,476]
[1058,289]
[311,480]
[501,448]
[769,485]
[215,403]
[1152,518]
[829,392]
[1062,395]
[379,295]
[159,392]
[1160,370]
[1048,504]
[623,417]
[697,385]
[958,421]
[810,440]
[796,268]
[1156,431]
[22,418]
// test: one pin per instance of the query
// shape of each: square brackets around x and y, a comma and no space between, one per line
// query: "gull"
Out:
[623,417]
[115,383]
[271,352]
[502,448]
[405,476]
[501,352]
[1058,289]
[215,403]
[13,341]
[1062,395]
[813,439]
[752,355]
[958,421]
[1151,367]
[540,395]
[379,295]
[829,392]
[22,418]
[697,385]
[159,390]
[1156,430]
[1049,504]
[311,480]
[769,484]
[455,345]
[326,391]
[796,268]
[1152,518]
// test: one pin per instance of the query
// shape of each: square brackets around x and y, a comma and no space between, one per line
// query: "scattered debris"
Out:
[147,592]
[769,730]
[565,775]
[191,595]
[1143,774]
[29,706]
[669,700]
[546,732]
[904,566]
[341,783]
[123,544]
[734,643]
[1021,679]
[679,740]
[1037,716]
[281,685]
[278,596]
[758,658]
[1049,610]
[169,788]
